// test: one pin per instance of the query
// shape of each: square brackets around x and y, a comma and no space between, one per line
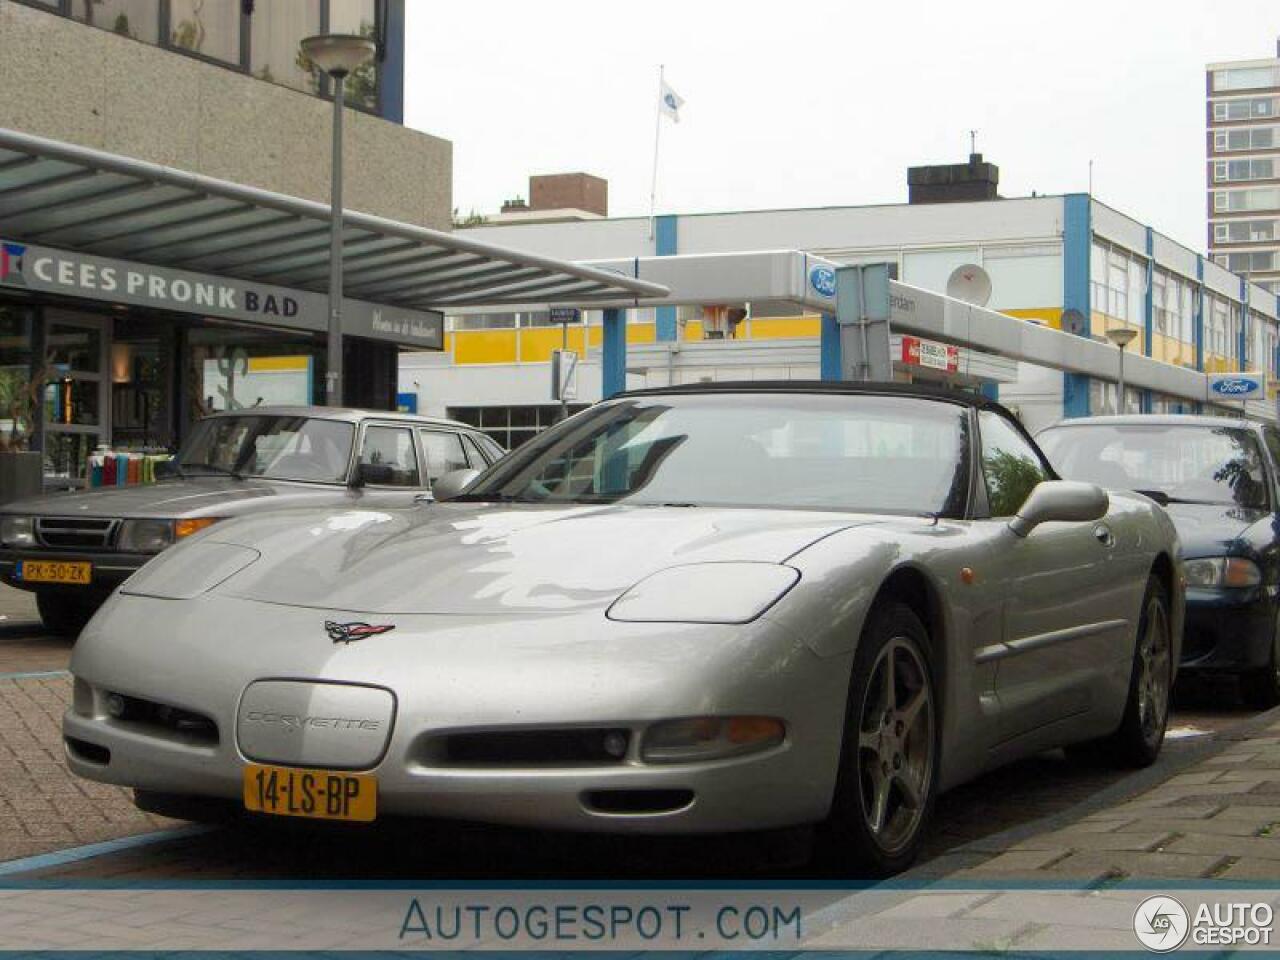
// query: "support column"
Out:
[829,347]
[613,360]
[1242,341]
[1198,321]
[391,73]
[1077,242]
[1149,314]
[665,244]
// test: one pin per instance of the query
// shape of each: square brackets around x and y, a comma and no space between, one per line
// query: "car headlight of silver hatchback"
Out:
[1222,572]
[730,592]
[18,531]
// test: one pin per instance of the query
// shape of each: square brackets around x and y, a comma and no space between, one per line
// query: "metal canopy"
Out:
[62,195]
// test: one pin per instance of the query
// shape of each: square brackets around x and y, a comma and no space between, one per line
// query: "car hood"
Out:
[476,559]
[169,498]
[1208,530]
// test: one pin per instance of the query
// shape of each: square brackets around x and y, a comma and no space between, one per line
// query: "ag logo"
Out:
[1161,923]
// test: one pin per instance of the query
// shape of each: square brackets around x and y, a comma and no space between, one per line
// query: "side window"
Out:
[1010,465]
[478,460]
[390,450]
[491,447]
[443,452]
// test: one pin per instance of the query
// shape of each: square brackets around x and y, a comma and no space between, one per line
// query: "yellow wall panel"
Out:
[484,346]
[780,328]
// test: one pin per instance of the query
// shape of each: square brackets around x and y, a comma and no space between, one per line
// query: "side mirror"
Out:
[378,474]
[453,483]
[1061,501]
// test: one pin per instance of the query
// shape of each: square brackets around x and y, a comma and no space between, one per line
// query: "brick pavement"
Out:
[24,647]
[1218,819]
[43,806]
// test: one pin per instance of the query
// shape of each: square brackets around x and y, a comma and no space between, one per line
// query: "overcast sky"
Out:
[827,103]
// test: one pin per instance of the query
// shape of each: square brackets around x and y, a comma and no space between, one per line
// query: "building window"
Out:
[1257,198]
[139,19]
[1257,168]
[1249,262]
[265,43]
[358,17]
[276,33]
[1247,231]
[1246,78]
[512,426]
[1246,108]
[210,28]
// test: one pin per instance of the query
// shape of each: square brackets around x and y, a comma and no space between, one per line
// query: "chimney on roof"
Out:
[954,182]
[569,191]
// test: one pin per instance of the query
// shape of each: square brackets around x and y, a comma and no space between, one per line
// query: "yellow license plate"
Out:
[79,572]
[317,794]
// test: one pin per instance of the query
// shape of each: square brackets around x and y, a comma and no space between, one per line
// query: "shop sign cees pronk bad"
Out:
[118,281]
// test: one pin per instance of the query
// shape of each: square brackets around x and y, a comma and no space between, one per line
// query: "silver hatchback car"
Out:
[73,549]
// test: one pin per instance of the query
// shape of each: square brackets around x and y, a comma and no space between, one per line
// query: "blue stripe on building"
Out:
[1077,239]
[666,243]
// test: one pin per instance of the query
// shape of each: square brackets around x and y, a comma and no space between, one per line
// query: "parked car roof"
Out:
[349,414]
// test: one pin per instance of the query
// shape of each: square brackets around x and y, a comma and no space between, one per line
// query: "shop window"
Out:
[276,33]
[210,28]
[17,401]
[391,450]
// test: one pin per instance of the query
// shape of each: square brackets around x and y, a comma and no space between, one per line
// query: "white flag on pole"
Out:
[670,102]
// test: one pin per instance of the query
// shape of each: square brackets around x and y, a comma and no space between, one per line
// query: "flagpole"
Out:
[657,137]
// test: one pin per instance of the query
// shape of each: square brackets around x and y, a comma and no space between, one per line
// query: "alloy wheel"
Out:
[1153,680]
[896,745]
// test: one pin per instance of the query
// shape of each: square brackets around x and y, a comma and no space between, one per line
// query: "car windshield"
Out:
[817,451]
[272,447]
[1192,463]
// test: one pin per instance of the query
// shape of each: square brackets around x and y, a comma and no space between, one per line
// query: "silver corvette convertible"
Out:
[699,609]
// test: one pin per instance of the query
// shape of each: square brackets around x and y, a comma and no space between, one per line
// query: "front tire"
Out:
[63,613]
[1137,741]
[887,781]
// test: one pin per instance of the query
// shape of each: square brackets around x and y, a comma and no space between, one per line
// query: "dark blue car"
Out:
[1219,479]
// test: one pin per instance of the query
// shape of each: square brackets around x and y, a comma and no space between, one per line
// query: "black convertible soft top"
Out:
[921,390]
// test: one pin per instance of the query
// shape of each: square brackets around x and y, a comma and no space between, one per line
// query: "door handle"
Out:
[1104,535]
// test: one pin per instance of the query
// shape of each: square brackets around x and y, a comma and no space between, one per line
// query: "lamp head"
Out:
[337,54]
[1121,336]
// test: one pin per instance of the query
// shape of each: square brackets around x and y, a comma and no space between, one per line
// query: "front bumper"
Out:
[579,670]
[1229,630]
[109,569]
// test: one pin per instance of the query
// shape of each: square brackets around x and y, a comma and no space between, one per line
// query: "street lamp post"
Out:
[337,54]
[1121,337]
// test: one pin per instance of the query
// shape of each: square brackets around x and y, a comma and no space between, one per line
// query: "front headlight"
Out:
[18,531]
[152,536]
[1222,572]
[730,592]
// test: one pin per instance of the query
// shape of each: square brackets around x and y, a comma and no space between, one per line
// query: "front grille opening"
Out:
[636,802]
[575,747]
[88,752]
[84,533]
[191,726]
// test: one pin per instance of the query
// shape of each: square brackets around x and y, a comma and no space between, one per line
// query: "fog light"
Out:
[710,738]
[615,743]
[115,705]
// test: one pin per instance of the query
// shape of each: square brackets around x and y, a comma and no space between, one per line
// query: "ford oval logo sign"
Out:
[1234,387]
[823,280]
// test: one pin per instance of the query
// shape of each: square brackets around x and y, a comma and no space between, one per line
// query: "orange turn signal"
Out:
[185,528]
[755,730]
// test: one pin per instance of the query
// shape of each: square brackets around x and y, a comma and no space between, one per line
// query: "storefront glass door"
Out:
[75,392]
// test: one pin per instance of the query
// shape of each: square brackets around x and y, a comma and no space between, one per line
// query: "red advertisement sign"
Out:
[928,353]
